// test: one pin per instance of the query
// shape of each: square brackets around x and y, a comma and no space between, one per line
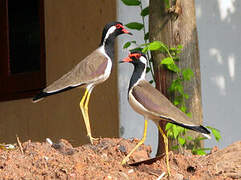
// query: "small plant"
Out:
[183,75]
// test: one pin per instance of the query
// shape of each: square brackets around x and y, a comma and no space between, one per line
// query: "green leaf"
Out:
[178,51]
[145,49]
[190,138]
[187,74]
[176,58]
[200,138]
[199,152]
[175,84]
[126,45]
[170,64]
[215,132]
[183,108]
[170,134]
[173,67]
[131,2]
[181,141]
[179,47]
[155,45]
[146,37]
[175,147]
[148,69]
[168,126]
[162,50]
[176,102]
[175,131]
[189,114]
[167,61]
[186,96]
[136,49]
[145,11]
[135,25]
[167,4]
[180,129]
[179,88]
[173,49]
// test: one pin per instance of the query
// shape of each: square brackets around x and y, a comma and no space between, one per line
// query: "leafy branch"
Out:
[177,86]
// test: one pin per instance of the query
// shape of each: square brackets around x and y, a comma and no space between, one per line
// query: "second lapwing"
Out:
[152,104]
[92,70]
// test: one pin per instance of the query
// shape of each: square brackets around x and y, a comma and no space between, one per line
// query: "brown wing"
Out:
[155,102]
[87,71]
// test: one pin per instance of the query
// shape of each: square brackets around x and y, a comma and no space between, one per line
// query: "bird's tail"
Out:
[43,94]
[39,97]
[197,128]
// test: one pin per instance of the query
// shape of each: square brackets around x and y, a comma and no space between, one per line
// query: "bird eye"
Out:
[137,56]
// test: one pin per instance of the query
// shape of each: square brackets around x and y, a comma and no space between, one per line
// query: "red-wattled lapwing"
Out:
[152,104]
[92,70]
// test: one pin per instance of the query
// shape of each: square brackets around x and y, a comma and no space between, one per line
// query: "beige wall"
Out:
[73,29]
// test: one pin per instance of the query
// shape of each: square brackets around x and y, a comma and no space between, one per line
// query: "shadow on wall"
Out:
[219,29]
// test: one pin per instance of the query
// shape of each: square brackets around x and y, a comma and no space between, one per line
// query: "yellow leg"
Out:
[83,104]
[83,99]
[140,143]
[87,122]
[166,149]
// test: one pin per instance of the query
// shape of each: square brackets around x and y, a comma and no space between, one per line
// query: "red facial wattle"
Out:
[136,55]
[119,26]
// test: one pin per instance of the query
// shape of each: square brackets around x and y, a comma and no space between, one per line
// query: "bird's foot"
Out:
[92,140]
[168,171]
[124,161]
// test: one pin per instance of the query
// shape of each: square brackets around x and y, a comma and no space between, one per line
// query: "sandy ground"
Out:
[103,161]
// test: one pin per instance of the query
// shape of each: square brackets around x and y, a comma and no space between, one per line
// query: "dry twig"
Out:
[19,144]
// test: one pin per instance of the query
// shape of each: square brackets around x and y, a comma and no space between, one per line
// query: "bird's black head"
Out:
[136,57]
[112,30]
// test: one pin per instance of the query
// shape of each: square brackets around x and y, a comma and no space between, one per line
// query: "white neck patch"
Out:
[110,31]
[143,60]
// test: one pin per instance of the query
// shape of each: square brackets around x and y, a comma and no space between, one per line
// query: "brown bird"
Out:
[152,104]
[92,70]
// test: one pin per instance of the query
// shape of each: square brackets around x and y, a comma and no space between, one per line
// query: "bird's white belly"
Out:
[108,69]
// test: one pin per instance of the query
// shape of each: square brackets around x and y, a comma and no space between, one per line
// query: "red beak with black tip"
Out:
[126,31]
[123,29]
[127,59]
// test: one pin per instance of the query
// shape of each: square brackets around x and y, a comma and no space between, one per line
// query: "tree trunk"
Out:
[173,30]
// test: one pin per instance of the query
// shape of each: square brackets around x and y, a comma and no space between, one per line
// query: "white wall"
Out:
[219,28]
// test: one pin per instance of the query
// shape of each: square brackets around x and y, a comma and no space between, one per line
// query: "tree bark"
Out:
[173,30]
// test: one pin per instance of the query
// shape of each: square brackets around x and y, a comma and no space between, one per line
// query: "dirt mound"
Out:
[102,161]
